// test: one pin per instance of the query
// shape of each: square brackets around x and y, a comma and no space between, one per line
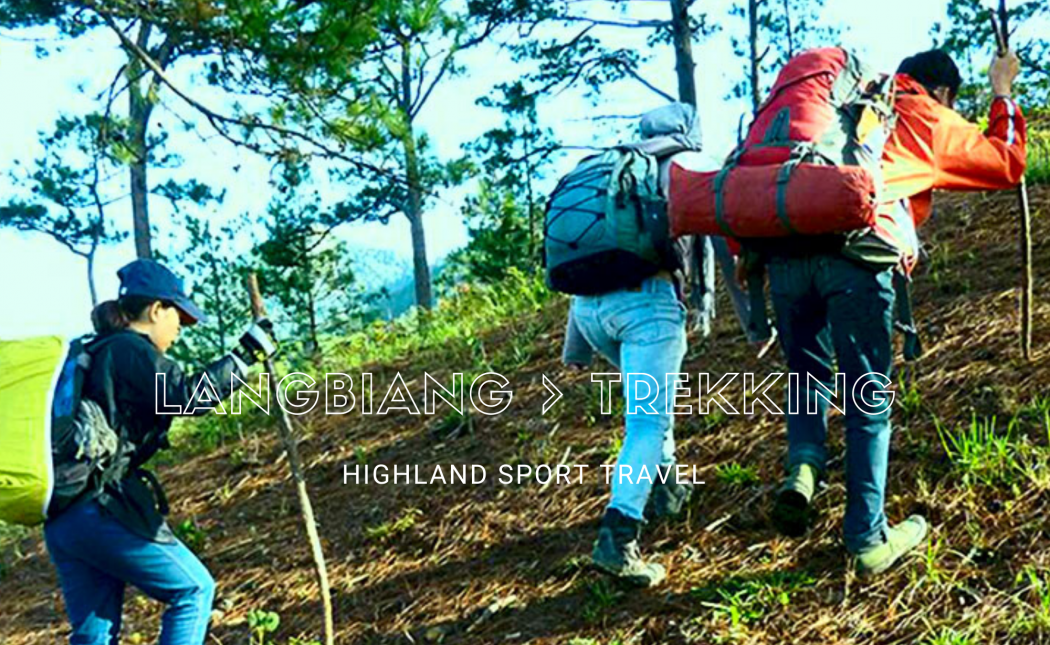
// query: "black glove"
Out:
[258,343]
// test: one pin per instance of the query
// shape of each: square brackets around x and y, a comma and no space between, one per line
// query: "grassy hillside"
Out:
[507,564]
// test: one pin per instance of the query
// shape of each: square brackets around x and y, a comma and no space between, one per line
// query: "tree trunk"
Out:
[787,27]
[534,254]
[685,66]
[414,207]
[216,282]
[752,17]
[424,297]
[220,319]
[683,52]
[140,199]
[139,110]
[90,257]
[315,342]
[530,200]
[414,213]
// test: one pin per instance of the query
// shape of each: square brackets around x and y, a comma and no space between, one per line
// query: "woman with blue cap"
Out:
[115,533]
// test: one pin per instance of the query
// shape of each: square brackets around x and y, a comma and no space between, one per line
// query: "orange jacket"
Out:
[933,147]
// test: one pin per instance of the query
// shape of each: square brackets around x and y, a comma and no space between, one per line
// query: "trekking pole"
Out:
[1002,38]
[291,449]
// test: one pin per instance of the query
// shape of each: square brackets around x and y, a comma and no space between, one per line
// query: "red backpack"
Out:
[811,164]
[811,161]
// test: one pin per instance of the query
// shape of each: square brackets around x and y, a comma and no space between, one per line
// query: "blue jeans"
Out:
[96,556]
[640,332]
[826,307]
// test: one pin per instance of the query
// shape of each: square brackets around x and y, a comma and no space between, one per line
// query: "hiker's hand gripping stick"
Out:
[1005,66]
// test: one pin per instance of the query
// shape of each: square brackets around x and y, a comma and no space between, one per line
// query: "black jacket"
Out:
[123,380]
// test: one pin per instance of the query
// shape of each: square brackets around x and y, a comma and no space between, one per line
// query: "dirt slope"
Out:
[421,563]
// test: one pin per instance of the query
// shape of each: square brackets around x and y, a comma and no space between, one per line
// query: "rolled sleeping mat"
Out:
[771,201]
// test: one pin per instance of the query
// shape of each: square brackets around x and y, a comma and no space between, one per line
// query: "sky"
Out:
[43,287]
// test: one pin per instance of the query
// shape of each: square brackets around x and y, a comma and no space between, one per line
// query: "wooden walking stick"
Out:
[1002,37]
[288,439]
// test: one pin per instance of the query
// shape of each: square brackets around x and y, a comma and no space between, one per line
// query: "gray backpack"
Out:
[606,224]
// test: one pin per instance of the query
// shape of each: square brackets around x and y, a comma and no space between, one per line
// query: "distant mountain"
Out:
[378,269]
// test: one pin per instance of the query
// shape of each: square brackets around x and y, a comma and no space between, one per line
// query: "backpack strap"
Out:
[158,491]
[719,187]
[778,131]
[720,197]
[116,468]
[799,152]
[905,322]
[850,84]
[783,177]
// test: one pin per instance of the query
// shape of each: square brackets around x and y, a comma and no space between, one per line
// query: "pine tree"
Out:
[72,189]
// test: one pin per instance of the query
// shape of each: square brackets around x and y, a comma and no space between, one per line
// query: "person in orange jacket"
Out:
[831,303]
[934,147]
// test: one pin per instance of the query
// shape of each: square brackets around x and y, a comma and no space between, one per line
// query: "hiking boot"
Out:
[667,500]
[899,540]
[791,509]
[616,551]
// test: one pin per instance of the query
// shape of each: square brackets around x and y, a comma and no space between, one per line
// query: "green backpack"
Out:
[51,440]
[606,224]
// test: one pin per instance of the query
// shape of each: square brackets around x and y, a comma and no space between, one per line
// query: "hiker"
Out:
[632,312]
[114,534]
[830,300]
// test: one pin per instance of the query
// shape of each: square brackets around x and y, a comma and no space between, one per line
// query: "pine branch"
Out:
[219,121]
[636,76]
[633,24]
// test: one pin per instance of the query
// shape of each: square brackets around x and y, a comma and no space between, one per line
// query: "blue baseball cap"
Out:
[154,280]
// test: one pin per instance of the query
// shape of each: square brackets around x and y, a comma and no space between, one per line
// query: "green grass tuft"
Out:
[951,636]
[744,600]
[982,452]
[733,474]
[388,530]
[1033,615]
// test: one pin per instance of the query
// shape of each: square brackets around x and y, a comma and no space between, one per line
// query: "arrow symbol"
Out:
[555,394]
